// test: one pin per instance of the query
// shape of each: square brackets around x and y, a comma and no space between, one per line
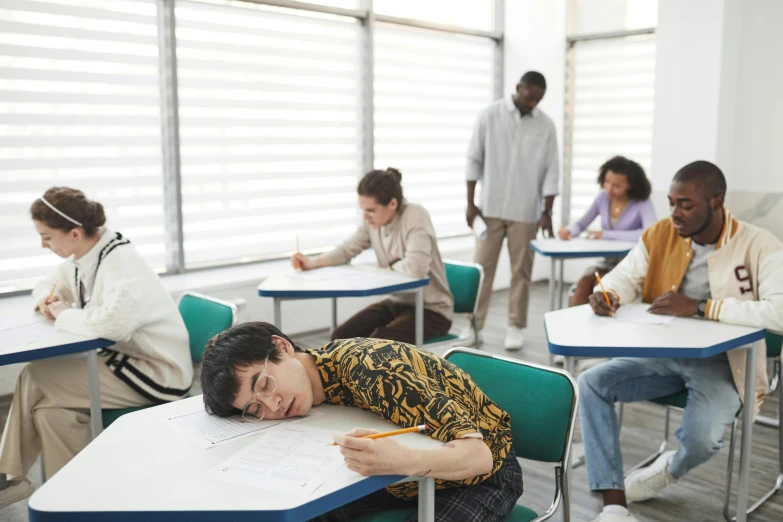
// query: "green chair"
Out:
[465,283]
[204,317]
[542,403]
[678,401]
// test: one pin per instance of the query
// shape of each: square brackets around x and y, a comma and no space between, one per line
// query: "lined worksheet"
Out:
[294,459]
[209,431]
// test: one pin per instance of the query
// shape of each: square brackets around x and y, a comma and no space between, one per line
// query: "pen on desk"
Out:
[414,429]
[51,294]
[297,264]
[606,296]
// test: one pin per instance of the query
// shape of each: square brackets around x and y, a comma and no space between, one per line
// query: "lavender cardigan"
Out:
[637,216]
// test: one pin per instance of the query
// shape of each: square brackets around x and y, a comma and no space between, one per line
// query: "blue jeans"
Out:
[713,402]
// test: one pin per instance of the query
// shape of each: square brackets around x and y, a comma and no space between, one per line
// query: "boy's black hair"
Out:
[237,347]
[705,174]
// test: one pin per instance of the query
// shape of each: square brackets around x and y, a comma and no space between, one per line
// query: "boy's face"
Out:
[293,395]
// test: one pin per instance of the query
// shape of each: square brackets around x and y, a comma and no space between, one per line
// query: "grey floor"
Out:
[696,498]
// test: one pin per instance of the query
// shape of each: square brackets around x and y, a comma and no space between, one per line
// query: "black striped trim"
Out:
[152,384]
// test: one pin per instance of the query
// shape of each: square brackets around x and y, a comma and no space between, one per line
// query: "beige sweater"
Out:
[408,246]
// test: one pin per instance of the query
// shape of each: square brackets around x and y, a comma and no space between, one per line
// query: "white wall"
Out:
[718,98]
[687,77]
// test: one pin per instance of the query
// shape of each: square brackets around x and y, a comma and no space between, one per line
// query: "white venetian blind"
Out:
[614,82]
[269,128]
[79,107]
[429,88]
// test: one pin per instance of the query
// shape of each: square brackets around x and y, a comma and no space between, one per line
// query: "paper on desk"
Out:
[325,274]
[209,431]
[293,459]
[479,227]
[27,334]
[347,277]
[637,313]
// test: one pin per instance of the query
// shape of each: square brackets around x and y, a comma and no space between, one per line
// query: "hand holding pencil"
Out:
[603,303]
[369,452]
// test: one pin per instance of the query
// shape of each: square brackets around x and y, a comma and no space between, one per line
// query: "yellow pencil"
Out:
[606,296]
[414,429]
[51,294]
[298,265]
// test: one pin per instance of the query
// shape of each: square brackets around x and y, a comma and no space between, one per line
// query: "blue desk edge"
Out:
[315,294]
[653,352]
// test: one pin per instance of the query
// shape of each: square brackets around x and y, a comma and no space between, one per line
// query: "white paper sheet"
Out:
[294,459]
[325,274]
[27,334]
[479,227]
[209,431]
[637,313]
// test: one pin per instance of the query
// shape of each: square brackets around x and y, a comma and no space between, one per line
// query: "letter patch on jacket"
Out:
[743,277]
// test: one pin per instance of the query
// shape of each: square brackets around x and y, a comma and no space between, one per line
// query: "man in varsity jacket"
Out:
[699,262]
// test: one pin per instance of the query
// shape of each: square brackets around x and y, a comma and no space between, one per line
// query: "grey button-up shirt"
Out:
[515,158]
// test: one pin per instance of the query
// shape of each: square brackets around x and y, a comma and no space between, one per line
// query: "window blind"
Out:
[269,130]
[429,89]
[79,107]
[614,82]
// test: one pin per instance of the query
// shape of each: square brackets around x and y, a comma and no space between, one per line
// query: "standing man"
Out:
[513,152]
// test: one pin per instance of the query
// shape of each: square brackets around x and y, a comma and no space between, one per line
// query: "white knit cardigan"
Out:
[130,306]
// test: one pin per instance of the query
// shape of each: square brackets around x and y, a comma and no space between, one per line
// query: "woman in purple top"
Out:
[625,209]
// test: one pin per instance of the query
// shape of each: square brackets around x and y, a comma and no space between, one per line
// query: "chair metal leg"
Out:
[730,469]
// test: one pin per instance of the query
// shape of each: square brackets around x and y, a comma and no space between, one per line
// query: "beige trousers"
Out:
[50,412]
[487,254]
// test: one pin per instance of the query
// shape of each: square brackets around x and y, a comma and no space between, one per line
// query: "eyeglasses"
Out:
[254,410]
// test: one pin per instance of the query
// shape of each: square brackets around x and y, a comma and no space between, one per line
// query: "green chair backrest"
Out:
[774,344]
[204,317]
[464,283]
[541,401]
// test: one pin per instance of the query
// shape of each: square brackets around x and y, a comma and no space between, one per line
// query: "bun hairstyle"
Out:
[74,204]
[383,185]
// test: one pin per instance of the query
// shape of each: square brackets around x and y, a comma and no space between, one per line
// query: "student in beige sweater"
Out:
[403,238]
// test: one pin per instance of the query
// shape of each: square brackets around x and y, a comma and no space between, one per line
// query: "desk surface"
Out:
[339,281]
[16,312]
[138,469]
[578,247]
[578,332]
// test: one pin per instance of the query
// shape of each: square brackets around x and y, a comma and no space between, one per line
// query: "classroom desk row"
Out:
[163,477]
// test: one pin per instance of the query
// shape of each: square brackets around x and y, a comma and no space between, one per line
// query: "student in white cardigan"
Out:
[103,289]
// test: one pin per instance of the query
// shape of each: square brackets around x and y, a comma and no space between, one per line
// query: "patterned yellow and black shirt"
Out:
[409,386]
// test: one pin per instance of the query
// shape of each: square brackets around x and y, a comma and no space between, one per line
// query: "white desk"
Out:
[139,469]
[18,311]
[578,332]
[557,250]
[344,281]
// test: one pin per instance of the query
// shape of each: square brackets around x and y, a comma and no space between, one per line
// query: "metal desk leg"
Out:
[553,261]
[570,366]
[560,284]
[552,298]
[420,319]
[427,500]
[96,420]
[334,314]
[747,431]
[277,316]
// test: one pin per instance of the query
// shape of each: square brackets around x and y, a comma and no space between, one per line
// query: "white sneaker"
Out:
[468,337]
[614,517]
[645,483]
[515,339]
[15,492]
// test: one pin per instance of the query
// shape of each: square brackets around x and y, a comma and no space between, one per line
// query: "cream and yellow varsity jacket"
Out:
[745,275]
